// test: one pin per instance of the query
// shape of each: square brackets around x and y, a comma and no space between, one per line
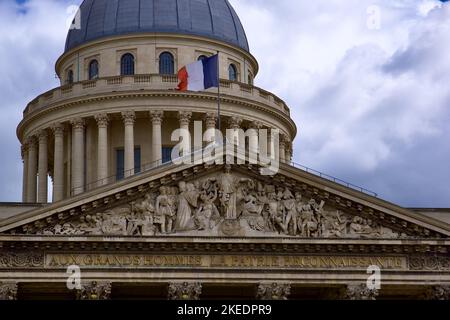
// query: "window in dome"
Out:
[202,57]
[127,65]
[93,70]
[232,73]
[166,63]
[69,77]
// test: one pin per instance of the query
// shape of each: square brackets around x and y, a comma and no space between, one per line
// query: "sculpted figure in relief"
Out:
[224,204]
[187,200]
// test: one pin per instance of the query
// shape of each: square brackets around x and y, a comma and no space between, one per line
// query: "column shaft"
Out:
[32,170]
[102,157]
[129,118]
[43,168]
[185,119]
[25,173]
[78,157]
[157,118]
[58,174]
[282,149]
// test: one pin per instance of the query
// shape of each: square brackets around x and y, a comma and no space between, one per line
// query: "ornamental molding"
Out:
[235,100]
[23,259]
[102,120]
[222,204]
[184,291]
[94,291]
[273,291]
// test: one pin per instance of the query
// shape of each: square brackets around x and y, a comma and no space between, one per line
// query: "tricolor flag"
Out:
[200,75]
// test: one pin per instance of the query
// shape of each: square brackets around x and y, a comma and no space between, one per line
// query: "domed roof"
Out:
[215,19]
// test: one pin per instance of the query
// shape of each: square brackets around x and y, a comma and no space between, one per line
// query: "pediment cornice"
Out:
[393,220]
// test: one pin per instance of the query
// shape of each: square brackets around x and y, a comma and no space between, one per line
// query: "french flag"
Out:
[200,75]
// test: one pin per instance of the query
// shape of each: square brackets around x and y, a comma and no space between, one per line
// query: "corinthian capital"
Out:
[8,291]
[360,292]
[234,122]
[210,120]
[273,291]
[185,117]
[42,134]
[78,123]
[283,140]
[437,293]
[156,116]
[58,129]
[185,291]
[102,120]
[31,142]
[256,125]
[94,291]
[24,151]
[128,117]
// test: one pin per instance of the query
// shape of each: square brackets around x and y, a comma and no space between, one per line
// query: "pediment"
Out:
[228,201]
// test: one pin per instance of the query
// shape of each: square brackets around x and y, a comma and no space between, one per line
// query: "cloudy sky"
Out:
[368,83]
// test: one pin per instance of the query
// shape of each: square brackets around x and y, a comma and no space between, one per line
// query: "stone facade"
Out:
[195,230]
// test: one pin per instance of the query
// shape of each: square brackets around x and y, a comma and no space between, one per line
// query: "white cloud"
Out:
[31,39]
[364,99]
[372,106]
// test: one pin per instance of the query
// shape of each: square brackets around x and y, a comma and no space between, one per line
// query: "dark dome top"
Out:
[214,19]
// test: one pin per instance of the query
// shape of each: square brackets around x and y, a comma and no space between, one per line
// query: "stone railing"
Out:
[154,82]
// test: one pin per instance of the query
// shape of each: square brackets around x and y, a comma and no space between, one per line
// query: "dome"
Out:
[215,19]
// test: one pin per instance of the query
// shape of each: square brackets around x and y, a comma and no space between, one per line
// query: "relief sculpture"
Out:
[225,205]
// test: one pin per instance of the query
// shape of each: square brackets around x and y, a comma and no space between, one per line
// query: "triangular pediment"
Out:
[226,201]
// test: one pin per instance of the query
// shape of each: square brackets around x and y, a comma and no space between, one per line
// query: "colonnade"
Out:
[35,151]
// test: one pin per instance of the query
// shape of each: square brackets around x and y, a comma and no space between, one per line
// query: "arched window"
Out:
[202,57]
[166,63]
[127,65]
[69,77]
[93,70]
[232,73]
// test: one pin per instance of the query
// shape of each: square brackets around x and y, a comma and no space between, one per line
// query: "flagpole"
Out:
[218,92]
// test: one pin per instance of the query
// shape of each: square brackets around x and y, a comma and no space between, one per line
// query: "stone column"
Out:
[210,120]
[94,291]
[185,119]
[32,170]
[58,174]
[185,291]
[102,151]
[234,141]
[43,167]
[129,118]
[78,156]
[437,293]
[283,141]
[289,153]
[8,291]
[360,292]
[156,118]
[253,139]
[273,291]
[24,152]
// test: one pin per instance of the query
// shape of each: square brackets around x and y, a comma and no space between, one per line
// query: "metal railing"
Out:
[127,174]
[333,179]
